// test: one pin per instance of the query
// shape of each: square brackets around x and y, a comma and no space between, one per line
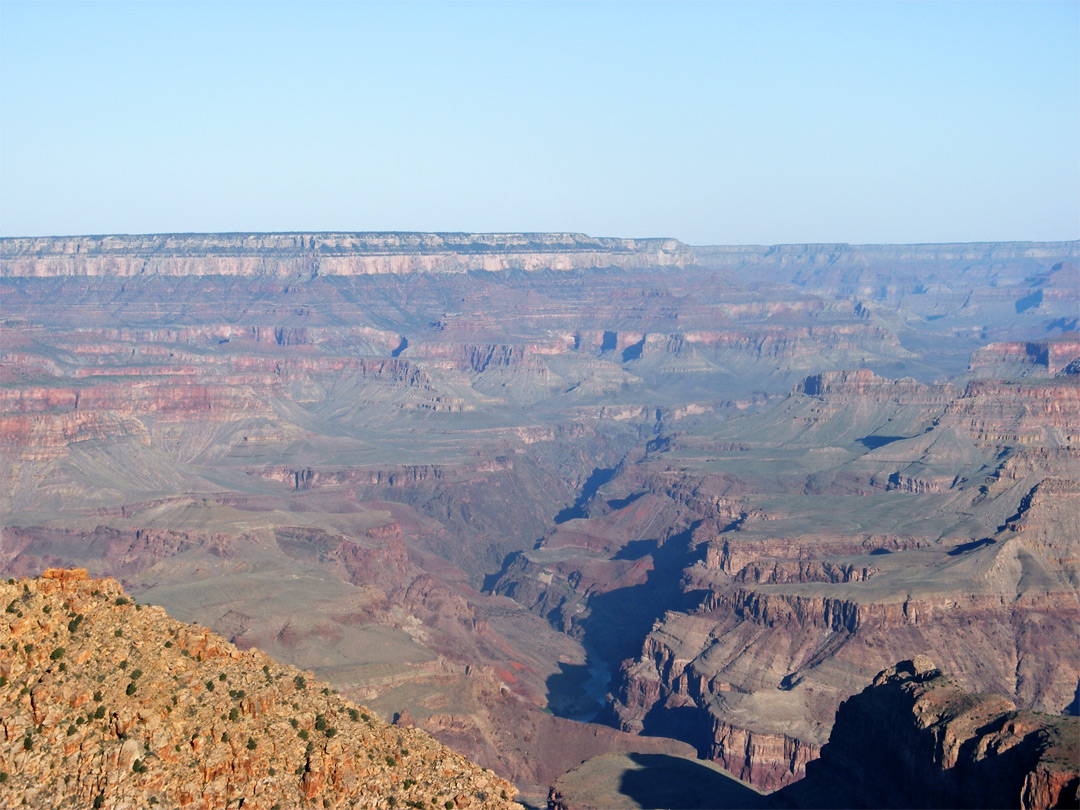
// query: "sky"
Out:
[714,123]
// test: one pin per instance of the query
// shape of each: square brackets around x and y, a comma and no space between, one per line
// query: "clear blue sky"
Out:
[710,122]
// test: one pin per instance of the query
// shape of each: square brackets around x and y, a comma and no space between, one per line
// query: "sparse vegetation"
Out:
[104,726]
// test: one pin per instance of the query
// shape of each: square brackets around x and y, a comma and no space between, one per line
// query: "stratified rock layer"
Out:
[341,254]
[108,703]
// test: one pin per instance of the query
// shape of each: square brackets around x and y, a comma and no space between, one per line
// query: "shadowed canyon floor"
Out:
[502,484]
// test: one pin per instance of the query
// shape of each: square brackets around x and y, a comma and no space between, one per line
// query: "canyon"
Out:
[552,497]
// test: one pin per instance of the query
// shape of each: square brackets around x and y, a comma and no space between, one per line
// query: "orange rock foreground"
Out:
[108,703]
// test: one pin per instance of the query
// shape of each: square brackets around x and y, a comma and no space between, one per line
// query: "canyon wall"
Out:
[503,485]
[293,255]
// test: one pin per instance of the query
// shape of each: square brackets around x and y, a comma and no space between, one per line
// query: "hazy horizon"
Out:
[711,123]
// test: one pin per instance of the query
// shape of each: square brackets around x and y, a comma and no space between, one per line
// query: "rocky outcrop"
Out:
[914,738]
[109,703]
[841,387]
[999,413]
[1045,357]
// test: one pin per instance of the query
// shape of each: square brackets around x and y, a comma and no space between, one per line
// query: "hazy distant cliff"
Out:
[351,254]
[341,254]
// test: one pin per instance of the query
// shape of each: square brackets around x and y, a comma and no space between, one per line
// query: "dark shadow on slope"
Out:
[619,620]
[491,580]
[1029,301]
[963,548]
[687,723]
[633,351]
[597,478]
[1063,324]
[568,696]
[635,550]
[674,782]
[874,442]
[618,503]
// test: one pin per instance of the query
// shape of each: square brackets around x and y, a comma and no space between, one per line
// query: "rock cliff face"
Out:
[916,739]
[1031,357]
[108,703]
[299,255]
